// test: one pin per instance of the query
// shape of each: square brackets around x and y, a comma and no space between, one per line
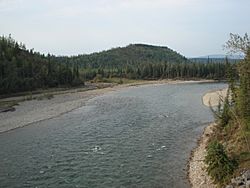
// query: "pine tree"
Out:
[244,88]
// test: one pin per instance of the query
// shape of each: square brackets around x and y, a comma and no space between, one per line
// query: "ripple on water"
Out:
[138,137]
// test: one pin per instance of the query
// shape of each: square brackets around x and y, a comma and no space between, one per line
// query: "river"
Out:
[135,137]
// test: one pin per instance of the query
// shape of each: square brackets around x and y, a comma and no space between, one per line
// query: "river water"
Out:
[135,137]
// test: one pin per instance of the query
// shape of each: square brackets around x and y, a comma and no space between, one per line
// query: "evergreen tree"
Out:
[244,88]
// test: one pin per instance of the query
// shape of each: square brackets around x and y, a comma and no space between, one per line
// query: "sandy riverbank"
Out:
[31,111]
[197,174]
[213,98]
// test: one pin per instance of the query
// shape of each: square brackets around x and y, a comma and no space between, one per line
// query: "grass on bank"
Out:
[228,151]
[114,80]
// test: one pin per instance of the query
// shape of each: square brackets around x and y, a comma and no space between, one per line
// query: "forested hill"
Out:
[141,61]
[133,54]
[25,70]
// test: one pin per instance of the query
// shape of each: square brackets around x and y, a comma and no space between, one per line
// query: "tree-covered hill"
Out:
[26,70]
[134,54]
[141,61]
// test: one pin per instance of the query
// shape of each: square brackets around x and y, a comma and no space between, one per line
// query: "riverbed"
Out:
[133,137]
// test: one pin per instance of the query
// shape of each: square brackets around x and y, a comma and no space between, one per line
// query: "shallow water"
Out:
[135,137]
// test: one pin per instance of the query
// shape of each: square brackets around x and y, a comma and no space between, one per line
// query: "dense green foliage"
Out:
[25,70]
[233,128]
[225,113]
[141,61]
[134,54]
[220,166]
[239,86]
[244,89]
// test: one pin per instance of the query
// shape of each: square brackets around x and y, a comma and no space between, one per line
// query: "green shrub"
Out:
[225,114]
[77,81]
[219,166]
[120,81]
[98,78]
[48,96]
[45,96]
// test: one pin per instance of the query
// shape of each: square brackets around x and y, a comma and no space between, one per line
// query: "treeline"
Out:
[214,60]
[141,61]
[26,70]
[229,148]
[163,70]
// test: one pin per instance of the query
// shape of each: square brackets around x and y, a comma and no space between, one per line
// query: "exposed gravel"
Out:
[28,112]
[197,174]
[31,111]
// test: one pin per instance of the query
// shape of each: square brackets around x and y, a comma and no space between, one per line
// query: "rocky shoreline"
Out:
[197,174]
[242,181]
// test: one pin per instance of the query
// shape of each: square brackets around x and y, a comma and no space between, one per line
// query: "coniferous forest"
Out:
[22,69]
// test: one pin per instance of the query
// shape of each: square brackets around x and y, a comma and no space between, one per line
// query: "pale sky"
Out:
[71,27]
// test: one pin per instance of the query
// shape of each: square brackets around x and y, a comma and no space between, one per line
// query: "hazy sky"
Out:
[70,27]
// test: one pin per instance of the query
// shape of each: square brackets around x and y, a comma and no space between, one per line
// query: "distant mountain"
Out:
[221,56]
[217,58]
[133,54]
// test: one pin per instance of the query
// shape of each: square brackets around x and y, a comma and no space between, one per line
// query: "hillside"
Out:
[25,70]
[141,61]
[133,54]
